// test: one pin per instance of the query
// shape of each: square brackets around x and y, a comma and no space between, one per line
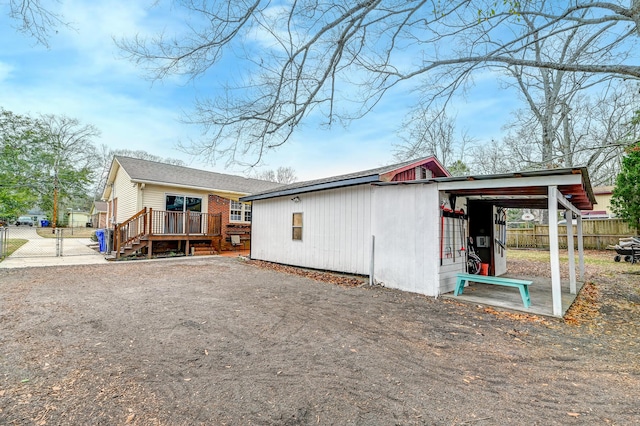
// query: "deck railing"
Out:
[184,223]
[148,223]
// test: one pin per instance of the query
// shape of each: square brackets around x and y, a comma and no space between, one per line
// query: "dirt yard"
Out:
[218,341]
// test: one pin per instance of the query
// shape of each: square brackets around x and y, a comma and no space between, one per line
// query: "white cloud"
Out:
[5,71]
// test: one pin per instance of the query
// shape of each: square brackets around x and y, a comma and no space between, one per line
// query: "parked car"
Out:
[24,220]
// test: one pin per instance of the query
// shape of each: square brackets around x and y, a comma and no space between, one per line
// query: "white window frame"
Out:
[241,209]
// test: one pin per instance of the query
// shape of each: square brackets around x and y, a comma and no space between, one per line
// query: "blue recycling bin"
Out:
[101,240]
[44,223]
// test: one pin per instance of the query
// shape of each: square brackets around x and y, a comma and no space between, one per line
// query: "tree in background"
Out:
[332,61]
[432,132]
[625,199]
[22,141]
[46,162]
[105,159]
[283,175]
[35,19]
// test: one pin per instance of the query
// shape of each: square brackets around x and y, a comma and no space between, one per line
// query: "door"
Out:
[176,221]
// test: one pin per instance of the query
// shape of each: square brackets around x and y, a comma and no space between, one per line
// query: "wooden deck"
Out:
[509,298]
[149,226]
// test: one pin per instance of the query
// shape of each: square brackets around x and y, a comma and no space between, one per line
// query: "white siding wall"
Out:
[154,196]
[406,226]
[336,232]
[126,193]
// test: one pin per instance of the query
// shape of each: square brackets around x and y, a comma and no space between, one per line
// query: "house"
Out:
[409,225]
[155,206]
[76,218]
[603,198]
[98,214]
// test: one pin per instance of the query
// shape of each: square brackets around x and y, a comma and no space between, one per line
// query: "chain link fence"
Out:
[32,241]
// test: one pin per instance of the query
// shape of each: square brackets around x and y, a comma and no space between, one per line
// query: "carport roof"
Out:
[528,189]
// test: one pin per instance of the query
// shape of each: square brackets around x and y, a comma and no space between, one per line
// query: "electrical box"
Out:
[482,241]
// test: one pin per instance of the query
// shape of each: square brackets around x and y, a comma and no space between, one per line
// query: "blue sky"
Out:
[83,76]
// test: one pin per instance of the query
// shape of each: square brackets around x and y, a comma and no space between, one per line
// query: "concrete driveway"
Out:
[40,251]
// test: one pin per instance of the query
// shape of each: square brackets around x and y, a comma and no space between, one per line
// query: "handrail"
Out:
[130,230]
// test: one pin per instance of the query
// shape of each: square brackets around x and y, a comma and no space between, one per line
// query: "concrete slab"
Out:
[39,251]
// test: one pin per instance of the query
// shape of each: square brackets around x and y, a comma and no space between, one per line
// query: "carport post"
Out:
[571,252]
[580,249]
[554,251]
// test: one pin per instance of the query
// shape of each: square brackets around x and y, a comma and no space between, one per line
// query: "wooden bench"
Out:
[509,282]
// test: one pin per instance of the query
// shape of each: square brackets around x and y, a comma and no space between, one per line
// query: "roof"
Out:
[100,206]
[152,172]
[379,174]
[528,189]
[603,190]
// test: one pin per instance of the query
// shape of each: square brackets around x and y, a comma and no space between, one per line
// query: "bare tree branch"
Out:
[327,61]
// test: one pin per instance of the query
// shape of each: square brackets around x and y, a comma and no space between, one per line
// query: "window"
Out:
[247,212]
[297,226]
[240,212]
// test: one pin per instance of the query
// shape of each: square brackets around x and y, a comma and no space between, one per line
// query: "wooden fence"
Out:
[597,234]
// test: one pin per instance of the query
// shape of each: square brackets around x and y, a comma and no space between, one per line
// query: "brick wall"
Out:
[222,205]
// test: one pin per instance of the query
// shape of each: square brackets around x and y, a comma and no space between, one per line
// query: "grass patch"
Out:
[67,232]
[14,244]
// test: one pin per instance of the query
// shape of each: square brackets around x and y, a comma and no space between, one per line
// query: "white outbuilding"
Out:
[409,226]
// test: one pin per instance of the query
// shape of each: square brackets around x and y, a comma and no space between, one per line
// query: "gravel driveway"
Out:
[222,341]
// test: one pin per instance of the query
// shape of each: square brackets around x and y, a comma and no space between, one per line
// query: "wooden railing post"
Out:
[116,240]
[150,230]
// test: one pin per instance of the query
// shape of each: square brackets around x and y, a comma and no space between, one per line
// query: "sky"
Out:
[83,75]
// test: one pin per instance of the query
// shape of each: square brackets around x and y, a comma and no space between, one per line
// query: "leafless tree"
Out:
[36,18]
[284,175]
[593,132]
[333,60]
[105,159]
[432,132]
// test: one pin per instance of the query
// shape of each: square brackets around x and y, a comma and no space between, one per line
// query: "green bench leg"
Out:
[459,286]
[524,292]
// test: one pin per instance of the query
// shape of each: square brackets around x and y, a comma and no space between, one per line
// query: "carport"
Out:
[554,190]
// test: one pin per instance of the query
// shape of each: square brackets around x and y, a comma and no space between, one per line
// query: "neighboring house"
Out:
[603,198]
[76,219]
[98,214]
[407,225]
[37,215]
[172,207]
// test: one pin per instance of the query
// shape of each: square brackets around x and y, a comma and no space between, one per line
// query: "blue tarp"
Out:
[44,223]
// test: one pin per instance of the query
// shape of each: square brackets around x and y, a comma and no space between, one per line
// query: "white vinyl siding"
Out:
[126,193]
[336,230]
[154,196]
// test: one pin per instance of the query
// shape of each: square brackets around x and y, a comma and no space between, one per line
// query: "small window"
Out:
[297,226]
[239,212]
[236,211]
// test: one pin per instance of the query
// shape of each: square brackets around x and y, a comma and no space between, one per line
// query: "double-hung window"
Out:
[240,212]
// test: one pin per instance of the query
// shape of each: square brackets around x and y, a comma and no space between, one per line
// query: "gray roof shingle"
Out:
[169,174]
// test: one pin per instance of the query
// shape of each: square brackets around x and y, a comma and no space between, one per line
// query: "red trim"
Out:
[431,163]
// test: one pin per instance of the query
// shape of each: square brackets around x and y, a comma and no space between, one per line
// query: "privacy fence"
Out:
[597,234]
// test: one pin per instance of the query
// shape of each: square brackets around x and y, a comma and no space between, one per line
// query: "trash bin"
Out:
[44,223]
[101,240]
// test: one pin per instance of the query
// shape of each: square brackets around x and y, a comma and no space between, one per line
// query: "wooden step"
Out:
[203,251]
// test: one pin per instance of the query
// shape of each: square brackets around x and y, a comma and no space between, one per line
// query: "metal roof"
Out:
[341,181]
[527,189]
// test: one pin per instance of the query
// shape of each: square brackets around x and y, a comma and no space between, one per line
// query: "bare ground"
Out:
[222,341]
